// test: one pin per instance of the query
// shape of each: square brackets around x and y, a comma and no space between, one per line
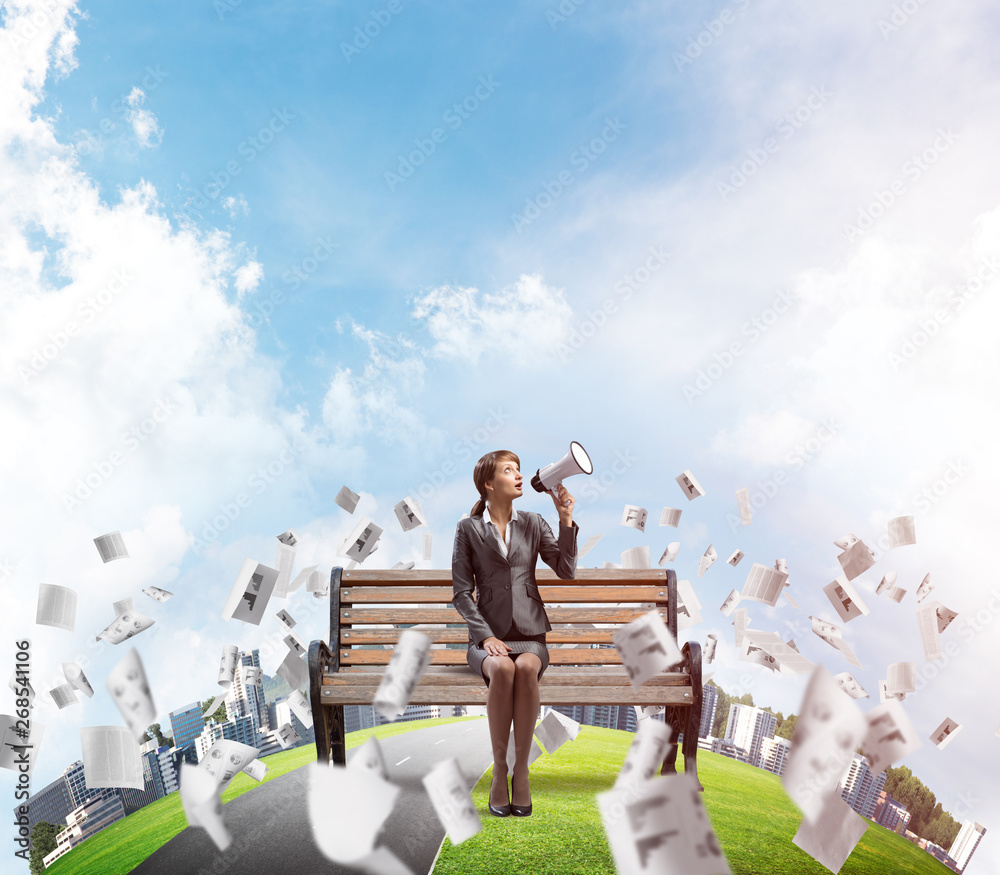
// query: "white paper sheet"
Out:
[845,599]
[646,647]
[901,532]
[250,593]
[111,757]
[689,485]
[743,501]
[890,736]
[634,517]
[945,733]
[670,516]
[56,606]
[708,557]
[764,584]
[833,835]
[347,499]
[130,692]
[111,546]
[452,801]
[409,659]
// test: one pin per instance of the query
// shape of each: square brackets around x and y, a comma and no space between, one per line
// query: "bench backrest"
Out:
[369,610]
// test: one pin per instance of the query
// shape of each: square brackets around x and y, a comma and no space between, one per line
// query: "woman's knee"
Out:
[527,667]
[499,668]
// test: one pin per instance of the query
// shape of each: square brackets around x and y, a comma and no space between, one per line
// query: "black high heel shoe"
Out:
[520,810]
[501,810]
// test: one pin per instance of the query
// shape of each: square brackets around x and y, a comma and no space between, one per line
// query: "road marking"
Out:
[403,760]
[438,742]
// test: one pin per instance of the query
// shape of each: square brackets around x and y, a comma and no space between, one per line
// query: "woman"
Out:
[495,552]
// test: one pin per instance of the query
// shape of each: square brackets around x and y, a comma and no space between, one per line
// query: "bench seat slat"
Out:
[364,635]
[550,594]
[362,616]
[430,577]
[558,656]
[548,695]
[556,675]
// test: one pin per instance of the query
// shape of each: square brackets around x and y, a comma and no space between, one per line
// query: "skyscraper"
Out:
[860,788]
[966,842]
[186,724]
[709,702]
[747,727]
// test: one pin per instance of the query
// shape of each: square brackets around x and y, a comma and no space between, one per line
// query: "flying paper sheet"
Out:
[901,677]
[833,835]
[111,757]
[452,801]
[781,565]
[764,584]
[846,541]
[901,532]
[369,757]
[645,755]
[829,728]
[285,618]
[730,603]
[670,554]
[661,827]
[644,712]
[932,619]
[688,606]
[646,647]
[111,546]
[409,659]
[227,665]
[786,656]
[74,674]
[735,558]
[707,559]
[64,695]
[346,499]
[409,514]
[856,559]
[743,500]
[284,562]
[634,517]
[534,752]
[670,516]
[850,685]
[552,732]
[130,691]
[124,606]
[302,577]
[741,620]
[588,545]
[300,708]
[125,626]
[257,770]
[943,735]
[845,599]
[689,485]
[711,642]
[428,542]
[360,543]
[56,606]
[832,635]
[347,808]
[890,736]
[924,590]
[157,594]
[294,671]
[287,735]
[225,759]
[202,804]
[250,593]
[636,557]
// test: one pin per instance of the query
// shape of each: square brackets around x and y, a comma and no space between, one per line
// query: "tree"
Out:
[219,714]
[786,728]
[161,739]
[721,711]
[43,842]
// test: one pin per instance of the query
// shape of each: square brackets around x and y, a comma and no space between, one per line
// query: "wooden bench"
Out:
[349,671]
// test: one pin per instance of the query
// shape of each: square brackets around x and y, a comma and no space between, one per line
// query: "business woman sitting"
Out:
[495,553]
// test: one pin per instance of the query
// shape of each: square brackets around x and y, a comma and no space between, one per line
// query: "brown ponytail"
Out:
[484,471]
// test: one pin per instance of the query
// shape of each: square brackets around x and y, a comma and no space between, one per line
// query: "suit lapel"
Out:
[516,536]
[479,524]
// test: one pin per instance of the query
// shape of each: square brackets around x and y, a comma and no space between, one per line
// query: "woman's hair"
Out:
[485,470]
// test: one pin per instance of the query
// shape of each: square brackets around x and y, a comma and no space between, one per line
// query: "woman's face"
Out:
[506,482]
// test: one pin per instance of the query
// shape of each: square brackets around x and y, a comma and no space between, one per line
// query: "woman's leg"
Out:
[499,711]
[526,669]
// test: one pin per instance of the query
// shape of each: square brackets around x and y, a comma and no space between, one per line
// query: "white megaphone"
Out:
[576,461]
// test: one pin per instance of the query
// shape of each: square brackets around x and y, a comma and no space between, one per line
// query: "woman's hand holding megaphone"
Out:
[564,504]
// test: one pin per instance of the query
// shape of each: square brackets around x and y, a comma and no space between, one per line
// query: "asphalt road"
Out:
[270,825]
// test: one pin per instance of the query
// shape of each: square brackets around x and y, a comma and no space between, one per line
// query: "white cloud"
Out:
[248,277]
[236,206]
[524,322]
[144,123]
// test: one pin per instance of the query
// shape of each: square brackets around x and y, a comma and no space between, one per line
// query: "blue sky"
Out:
[754,239]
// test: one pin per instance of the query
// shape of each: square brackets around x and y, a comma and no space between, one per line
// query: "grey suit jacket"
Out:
[506,587]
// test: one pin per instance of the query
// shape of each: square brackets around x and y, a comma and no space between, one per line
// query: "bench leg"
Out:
[692,653]
[325,717]
[672,717]
[338,748]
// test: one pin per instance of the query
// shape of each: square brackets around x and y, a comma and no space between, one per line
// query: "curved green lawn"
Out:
[753,819]
[125,844]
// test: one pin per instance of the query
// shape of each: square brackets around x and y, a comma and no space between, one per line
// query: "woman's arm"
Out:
[463,583]
[560,555]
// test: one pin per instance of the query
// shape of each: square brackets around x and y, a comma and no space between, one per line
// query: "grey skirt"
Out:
[476,655]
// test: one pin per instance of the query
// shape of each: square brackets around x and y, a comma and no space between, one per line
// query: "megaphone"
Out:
[576,461]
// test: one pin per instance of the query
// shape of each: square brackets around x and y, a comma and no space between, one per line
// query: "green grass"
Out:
[753,819]
[124,845]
